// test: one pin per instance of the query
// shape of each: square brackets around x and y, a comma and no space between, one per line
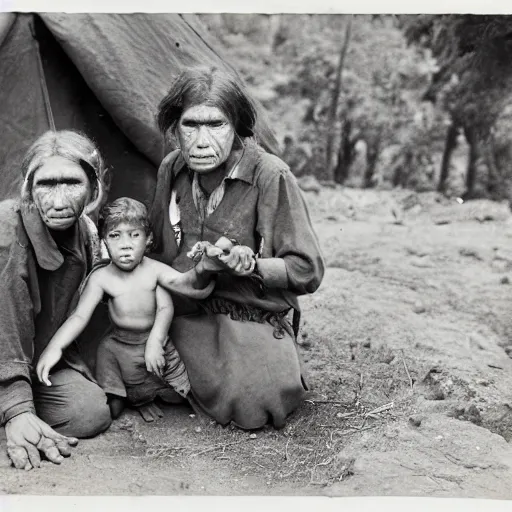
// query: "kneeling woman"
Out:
[238,345]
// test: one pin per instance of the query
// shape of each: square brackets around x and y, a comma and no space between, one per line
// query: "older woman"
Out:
[238,345]
[47,245]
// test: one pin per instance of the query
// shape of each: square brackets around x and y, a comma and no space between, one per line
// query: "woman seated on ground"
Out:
[238,345]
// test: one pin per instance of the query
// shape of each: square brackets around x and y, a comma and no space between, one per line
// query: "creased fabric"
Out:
[35,301]
[238,345]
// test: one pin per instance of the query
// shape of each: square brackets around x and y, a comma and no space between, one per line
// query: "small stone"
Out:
[478,447]
[505,280]
[459,411]
[482,382]
[198,429]
[415,421]
[253,436]
[367,344]
[419,308]
[192,415]
[439,438]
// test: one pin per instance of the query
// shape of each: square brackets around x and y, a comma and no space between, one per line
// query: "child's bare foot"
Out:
[116,406]
[150,412]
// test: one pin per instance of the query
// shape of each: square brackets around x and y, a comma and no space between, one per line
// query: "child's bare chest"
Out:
[135,287]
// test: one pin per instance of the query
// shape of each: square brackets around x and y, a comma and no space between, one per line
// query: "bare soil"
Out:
[406,347]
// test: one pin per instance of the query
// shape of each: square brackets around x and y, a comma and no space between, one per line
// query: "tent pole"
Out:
[42,81]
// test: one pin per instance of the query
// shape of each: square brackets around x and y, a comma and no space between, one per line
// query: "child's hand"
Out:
[49,358]
[154,357]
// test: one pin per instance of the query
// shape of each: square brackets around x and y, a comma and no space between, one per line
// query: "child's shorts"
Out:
[121,368]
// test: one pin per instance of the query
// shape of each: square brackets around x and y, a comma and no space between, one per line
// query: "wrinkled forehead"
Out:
[203,114]
[57,169]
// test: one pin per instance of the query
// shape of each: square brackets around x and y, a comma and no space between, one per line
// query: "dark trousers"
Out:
[72,405]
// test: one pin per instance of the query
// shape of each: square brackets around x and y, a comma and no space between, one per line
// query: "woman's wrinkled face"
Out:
[60,191]
[206,137]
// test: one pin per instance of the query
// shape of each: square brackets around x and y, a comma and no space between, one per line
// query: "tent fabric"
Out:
[129,61]
[6,21]
[105,75]
[75,106]
[22,111]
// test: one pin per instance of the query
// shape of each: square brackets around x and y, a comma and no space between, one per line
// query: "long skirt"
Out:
[239,372]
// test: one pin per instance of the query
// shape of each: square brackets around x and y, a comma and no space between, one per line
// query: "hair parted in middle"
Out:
[213,87]
[124,209]
[75,147]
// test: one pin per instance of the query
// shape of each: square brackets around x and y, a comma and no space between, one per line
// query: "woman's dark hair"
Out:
[210,86]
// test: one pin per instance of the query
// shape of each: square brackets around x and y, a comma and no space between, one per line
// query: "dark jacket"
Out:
[262,208]
[39,284]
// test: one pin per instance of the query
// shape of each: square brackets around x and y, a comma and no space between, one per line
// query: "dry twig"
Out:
[380,409]
[407,371]
[339,402]
[216,447]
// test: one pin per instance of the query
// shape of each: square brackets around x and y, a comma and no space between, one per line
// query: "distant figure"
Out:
[359,164]
[294,155]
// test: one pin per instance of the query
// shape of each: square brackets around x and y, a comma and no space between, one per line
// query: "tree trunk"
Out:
[345,153]
[401,173]
[371,162]
[277,36]
[476,164]
[331,120]
[449,146]
[496,186]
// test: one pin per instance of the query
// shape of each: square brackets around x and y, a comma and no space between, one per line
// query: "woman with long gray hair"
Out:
[47,245]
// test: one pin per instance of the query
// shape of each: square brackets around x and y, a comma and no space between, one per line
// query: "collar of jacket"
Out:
[46,250]
[246,166]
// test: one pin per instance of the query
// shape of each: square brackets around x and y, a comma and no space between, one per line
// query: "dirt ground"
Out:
[406,345]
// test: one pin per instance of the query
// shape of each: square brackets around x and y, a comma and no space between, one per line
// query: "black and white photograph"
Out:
[255,254]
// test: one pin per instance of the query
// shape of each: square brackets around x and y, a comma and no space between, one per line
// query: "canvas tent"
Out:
[103,74]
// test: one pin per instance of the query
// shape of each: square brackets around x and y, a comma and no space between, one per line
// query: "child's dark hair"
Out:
[124,209]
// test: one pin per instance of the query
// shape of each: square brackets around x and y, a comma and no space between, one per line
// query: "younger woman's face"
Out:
[60,191]
[206,137]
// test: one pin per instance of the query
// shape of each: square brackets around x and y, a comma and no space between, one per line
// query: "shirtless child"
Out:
[136,360]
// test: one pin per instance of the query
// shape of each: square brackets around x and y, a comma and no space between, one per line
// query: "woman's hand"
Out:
[237,259]
[27,436]
[207,255]
[240,260]
[49,358]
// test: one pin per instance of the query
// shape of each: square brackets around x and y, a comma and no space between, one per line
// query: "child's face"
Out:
[126,243]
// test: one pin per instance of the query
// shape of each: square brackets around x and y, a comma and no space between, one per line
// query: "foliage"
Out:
[393,66]
[473,53]
[473,85]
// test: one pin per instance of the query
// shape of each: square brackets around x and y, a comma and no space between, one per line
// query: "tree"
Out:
[472,84]
[336,99]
